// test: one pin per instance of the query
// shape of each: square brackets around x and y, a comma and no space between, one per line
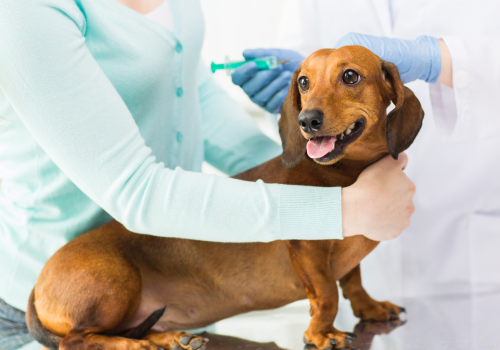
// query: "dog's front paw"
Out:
[191,342]
[328,340]
[373,310]
[178,341]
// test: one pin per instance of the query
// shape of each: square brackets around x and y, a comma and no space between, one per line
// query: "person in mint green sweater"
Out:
[108,114]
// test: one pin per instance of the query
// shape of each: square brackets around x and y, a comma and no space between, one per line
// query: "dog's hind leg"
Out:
[92,339]
[362,304]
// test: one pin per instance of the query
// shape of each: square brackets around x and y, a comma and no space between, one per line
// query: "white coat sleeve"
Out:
[469,110]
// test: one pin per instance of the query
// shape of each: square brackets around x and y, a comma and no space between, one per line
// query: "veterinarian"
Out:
[451,245]
[107,113]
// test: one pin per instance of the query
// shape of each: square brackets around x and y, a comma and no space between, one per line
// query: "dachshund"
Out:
[113,289]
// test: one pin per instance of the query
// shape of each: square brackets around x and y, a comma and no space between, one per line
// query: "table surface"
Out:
[438,323]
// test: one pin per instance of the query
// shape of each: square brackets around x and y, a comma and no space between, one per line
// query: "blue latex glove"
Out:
[415,59]
[267,88]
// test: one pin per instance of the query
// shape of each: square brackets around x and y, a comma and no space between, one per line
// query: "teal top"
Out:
[106,114]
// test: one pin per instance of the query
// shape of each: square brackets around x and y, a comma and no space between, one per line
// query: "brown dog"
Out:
[113,289]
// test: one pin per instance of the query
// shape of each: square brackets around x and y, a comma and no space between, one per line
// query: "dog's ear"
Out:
[405,120]
[294,144]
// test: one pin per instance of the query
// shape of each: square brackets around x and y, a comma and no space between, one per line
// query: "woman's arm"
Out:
[471,66]
[446,76]
[75,114]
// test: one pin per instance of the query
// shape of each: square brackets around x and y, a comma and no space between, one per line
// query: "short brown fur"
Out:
[110,280]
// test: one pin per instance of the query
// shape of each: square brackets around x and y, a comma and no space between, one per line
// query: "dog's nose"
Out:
[311,121]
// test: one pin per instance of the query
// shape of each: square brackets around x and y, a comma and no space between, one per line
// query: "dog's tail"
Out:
[51,341]
[37,329]
[140,331]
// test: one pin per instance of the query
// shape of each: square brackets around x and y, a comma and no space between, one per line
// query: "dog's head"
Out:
[336,108]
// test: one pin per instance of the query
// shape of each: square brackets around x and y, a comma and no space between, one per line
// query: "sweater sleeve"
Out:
[462,112]
[233,142]
[75,114]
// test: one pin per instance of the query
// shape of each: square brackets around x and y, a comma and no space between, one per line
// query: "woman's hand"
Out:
[379,204]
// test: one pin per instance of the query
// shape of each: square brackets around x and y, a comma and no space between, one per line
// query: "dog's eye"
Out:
[351,77]
[303,84]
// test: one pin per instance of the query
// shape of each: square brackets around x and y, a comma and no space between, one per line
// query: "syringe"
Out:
[263,63]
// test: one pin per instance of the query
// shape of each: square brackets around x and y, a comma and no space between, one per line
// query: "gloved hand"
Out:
[415,59]
[267,88]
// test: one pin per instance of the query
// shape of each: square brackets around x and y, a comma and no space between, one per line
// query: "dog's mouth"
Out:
[323,149]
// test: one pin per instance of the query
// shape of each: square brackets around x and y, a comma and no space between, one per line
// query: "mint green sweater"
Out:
[106,114]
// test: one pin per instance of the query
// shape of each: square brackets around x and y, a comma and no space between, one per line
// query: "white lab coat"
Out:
[453,243]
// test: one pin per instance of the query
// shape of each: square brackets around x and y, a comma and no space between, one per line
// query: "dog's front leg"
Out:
[311,260]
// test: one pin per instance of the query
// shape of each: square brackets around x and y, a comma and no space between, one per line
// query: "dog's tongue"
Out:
[320,146]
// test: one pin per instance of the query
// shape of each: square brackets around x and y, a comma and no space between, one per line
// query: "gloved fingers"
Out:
[263,96]
[276,102]
[373,43]
[388,49]
[244,73]
[260,80]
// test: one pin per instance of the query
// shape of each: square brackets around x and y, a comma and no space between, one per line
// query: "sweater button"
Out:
[180,92]
[178,48]
[179,137]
